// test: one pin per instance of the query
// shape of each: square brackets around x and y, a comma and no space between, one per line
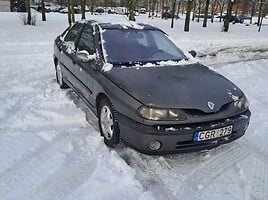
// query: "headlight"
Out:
[241,103]
[161,114]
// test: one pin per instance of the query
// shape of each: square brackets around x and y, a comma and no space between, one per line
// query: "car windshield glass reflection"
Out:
[139,46]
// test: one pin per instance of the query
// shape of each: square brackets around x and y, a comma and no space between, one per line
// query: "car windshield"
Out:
[128,46]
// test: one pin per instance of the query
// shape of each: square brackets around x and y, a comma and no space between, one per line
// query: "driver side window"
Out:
[73,33]
[86,41]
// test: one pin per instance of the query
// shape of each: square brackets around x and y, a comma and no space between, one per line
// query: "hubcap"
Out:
[106,121]
[59,74]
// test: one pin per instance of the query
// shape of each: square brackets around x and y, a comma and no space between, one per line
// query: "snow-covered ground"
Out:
[48,150]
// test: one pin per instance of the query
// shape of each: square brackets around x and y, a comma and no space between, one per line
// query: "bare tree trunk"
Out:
[69,12]
[206,14]
[173,13]
[163,7]
[264,12]
[260,12]
[43,10]
[72,11]
[187,20]
[236,8]
[194,11]
[214,8]
[179,8]
[131,10]
[29,17]
[92,6]
[83,9]
[199,11]
[252,11]
[228,16]
[222,7]
[153,8]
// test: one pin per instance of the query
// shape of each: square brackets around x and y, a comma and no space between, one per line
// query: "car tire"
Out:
[59,77]
[108,123]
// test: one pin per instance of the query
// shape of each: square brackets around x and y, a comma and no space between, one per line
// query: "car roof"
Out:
[121,25]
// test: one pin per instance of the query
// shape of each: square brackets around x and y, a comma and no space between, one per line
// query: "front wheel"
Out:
[108,124]
[59,77]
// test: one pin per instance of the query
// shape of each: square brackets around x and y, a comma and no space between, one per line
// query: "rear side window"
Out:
[73,33]
[86,41]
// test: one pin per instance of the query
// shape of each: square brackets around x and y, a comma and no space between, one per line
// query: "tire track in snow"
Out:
[21,169]
[259,182]
[259,152]
[203,175]
[165,177]
[66,180]
[146,169]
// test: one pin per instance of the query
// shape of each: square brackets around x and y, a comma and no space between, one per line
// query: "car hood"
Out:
[186,87]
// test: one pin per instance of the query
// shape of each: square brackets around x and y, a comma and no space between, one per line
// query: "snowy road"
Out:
[49,150]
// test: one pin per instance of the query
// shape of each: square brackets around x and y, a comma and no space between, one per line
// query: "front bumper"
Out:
[178,138]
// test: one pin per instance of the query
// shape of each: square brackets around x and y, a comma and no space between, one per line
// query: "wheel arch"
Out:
[100,96]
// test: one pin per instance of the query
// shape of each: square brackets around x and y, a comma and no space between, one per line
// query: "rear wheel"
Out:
[59,77]
[108,124]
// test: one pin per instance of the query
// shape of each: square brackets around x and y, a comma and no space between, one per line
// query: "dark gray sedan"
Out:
[145,91]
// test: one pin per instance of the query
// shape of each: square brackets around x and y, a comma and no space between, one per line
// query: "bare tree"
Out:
[261,3]
[69,12]
[179,8]
[199,10]
[194,10]
[228,16]
[173,13]
[206,14]
[264,12]
[72,11]
[83,9]
[131,9]
[252,13]
[29,17]
[43,10]
[222,4]
[214,8]
[187,19]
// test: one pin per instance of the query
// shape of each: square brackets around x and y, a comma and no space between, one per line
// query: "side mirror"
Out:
[193,53]
[84,56]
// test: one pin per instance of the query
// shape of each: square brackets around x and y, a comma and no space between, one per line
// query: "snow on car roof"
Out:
[117,22]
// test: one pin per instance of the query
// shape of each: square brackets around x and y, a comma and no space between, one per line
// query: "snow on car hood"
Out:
[188,87]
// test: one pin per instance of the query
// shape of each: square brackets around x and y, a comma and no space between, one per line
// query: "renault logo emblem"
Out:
[211,105]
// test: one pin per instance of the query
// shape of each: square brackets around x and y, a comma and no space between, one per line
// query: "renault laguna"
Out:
[145,91]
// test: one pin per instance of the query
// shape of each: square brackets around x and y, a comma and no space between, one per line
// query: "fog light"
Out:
[154,145]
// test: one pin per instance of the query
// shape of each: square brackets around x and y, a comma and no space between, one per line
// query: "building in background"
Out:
[4,5]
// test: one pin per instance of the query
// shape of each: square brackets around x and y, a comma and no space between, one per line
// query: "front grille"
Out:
[197,113]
